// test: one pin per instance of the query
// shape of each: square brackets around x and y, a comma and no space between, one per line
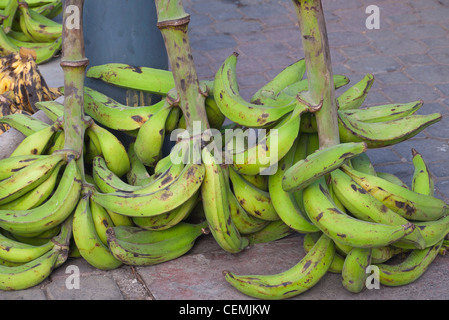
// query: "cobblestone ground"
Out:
[409,56]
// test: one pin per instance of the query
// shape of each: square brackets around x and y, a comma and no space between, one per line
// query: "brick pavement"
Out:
[409,57]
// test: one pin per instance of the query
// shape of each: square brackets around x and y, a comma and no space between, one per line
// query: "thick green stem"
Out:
[74,63]
[319,69]
[173,23]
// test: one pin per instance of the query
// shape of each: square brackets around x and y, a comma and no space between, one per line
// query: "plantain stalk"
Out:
[173,23]
[74,64]
[319,69]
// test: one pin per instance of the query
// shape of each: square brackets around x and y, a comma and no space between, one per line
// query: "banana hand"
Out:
[405,202]
[300,278]
[319,164]
[343,228]
[235,108]
[144,251]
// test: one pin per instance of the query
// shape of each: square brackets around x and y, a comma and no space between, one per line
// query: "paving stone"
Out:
[416,59]
[51,72]
[401,93]
[419,31]
[263,10]
[279,63]
[440,169]
[444,88]
[381,34]
[417,4]
[251,37]
[399,46]
[432,74]
[374,64]
[130,284]
[382,156]
[388,78]
[358,51]
[375,98]
[249,65]
[290,34]
[332,5]
[205,72]
[442,187]
[276,22]
[199,20]
[403,171]
[432,150]
[237,26]
[394,8]
[429,108]
[437,14]
[330,288]
[94,287]
[342,70]
[219,11]
[264,50]
[440,55]
[211,42]
[32,294]
[441,129]
[403,19]
[345,39]
[251,81]
[436,42]
[200,276]
[80,264]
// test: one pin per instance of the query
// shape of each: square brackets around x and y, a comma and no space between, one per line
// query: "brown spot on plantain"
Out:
[138,119]
[307,265]
[347,155]
[409,210]
[166,196]
[399,204]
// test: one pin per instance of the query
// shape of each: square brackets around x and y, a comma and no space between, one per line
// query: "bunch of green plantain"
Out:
[30,24]
[137,208]
[142,205]
[309,190]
